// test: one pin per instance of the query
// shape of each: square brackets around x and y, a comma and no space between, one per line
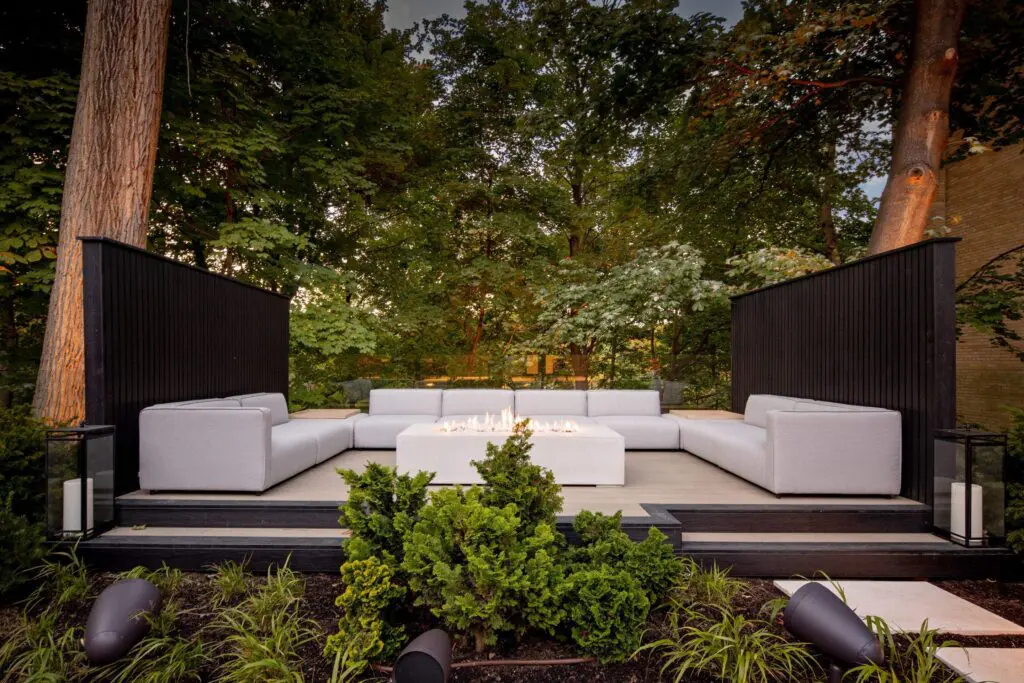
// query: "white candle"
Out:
[73,505]
[958,505]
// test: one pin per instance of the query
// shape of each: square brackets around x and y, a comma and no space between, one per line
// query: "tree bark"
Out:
[922,129]
[109,176]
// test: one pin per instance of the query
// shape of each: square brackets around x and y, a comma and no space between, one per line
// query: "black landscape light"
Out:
[816,615]
[427,659]
[119,619]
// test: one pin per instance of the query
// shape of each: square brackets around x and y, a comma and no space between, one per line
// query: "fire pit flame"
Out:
[505,422]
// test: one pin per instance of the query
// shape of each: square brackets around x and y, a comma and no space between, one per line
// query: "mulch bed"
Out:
[195,595]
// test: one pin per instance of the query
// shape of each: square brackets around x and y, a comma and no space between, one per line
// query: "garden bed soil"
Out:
[196,593]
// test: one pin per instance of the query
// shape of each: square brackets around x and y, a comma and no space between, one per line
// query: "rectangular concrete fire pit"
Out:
[594,455]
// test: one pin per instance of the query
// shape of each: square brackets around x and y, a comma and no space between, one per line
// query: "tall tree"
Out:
[109,176]
[922,129]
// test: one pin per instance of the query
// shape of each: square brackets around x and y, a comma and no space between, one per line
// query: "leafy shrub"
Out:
[729,647]
[365,633]
[606,612]
[382,505]
[472,566]
[22,542]
[914,660]
[512,478]
[603,543]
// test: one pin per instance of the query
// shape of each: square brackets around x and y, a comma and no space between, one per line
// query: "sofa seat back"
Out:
[405,402]
[476,401]
[758,405]
[538,402]
[204,402]
[621,402]
[275,403]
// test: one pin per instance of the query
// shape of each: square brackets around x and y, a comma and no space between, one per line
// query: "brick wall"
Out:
[982,200]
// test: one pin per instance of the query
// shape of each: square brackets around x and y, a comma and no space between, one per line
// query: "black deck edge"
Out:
[858,561]
[240,514]
[794,518]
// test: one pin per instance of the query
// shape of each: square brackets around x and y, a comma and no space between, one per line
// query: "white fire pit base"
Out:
[593,456]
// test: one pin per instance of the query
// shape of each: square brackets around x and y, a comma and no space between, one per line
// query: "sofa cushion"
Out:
[205,402]
[405,402]
[332,436]
[291,452]
[644,432]
[578,419]
[381,431]
[551,402]
[758,405]
[611,402]
[733,445]
[809,406]
[274,402]
[476,401]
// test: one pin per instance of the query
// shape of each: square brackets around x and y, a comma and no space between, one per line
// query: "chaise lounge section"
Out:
[800,446]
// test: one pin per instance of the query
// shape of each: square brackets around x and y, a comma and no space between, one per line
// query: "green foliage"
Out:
[62,579]
[166,579]
[770,265]
[381,507]
[162,656]
[910,660]
[603,544]
[991,300]
[511,478]
[366,633]
[712,587]
[22,542]
[261,637]
[607,610]
[1015,479]
[474,566]
[230,582]
[715,641]
[37,651]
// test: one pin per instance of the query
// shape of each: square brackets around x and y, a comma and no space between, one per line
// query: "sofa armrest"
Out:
[204,449]
[834,452]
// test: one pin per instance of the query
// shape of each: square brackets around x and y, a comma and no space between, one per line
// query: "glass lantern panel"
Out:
[100,467]
[63,487]
[950,459]
[988,475]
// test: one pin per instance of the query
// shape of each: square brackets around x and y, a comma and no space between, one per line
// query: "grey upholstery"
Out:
[476,402]
[551,402]
[405,402]
[799,446]
[381,431]
[578,419]
[616,402]
[644,432]
[235,444]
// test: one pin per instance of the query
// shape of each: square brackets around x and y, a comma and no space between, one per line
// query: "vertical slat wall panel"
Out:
[879,332]
[157,330]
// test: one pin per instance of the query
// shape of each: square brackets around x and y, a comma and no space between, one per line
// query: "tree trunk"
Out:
[922,129]
[109,177]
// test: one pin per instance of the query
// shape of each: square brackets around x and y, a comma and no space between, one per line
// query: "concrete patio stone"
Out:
[983,664]
[906,604]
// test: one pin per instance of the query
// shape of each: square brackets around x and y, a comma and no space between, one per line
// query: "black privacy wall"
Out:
[878,332]
[157,330]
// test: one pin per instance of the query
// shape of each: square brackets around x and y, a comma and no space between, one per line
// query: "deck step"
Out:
[854,555]
[902,517]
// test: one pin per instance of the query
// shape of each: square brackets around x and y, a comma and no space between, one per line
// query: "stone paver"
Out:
[978,664]
[906,604]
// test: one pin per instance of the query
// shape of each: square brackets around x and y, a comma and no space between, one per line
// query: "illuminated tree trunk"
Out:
[922,129]
[109,176]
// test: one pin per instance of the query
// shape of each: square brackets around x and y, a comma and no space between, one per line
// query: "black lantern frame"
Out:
[79,463]
[969,442]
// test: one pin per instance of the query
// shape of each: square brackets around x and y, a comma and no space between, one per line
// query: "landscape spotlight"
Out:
[817,615]
[427,659]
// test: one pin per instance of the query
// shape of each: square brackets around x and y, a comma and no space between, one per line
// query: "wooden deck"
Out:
[706,512]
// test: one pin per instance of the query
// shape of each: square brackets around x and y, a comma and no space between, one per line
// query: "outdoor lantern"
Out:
[79,481]
[970,486]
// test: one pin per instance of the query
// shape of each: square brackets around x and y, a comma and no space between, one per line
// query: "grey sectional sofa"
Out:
[238,443]
[799,446]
